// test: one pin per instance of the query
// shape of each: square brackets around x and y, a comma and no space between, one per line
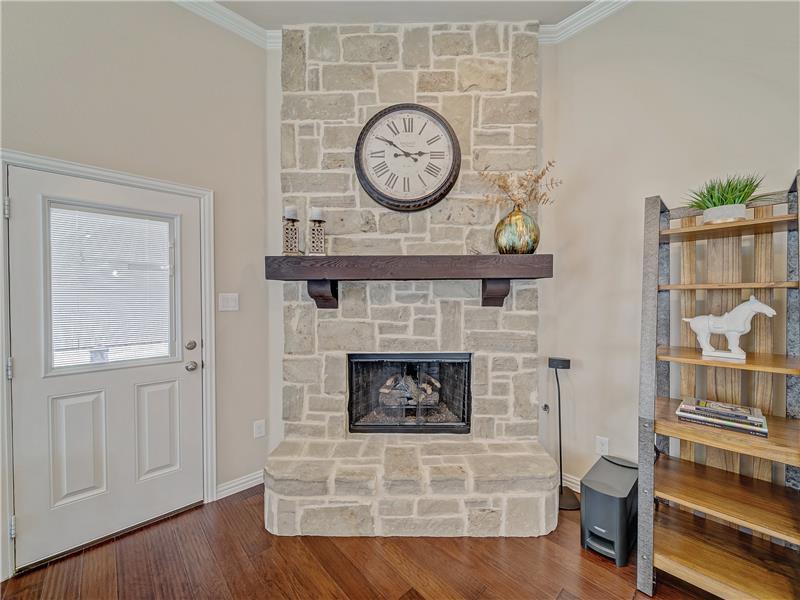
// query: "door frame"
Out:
[9,158]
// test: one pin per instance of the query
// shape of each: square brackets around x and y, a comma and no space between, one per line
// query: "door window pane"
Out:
[111,287]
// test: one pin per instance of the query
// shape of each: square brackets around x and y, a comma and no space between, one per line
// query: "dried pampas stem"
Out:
[524,189]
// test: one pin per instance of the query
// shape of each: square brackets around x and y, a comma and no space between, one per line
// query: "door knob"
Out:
[191,365]
[191,345]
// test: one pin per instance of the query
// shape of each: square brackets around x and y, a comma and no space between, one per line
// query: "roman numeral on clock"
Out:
[437,155]
[406,184]
[432,170]
[392,127]
[391,180]
[377,154]
[434,139]
[408,124]
[424,125]
[381,168]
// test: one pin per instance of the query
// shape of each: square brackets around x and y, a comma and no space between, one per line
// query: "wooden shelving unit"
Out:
[752,503]
[762,362]
[722,560]
[782,445]
[758,285]
[720,515]
[772,224]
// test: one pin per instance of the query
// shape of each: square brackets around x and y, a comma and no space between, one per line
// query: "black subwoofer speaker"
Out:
[609,508]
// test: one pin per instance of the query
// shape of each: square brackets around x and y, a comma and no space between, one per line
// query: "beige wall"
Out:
[655,99]
[151,89]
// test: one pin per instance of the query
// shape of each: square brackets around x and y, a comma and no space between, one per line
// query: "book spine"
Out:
[706,418]
[724,415]
[723,426]
[755,421]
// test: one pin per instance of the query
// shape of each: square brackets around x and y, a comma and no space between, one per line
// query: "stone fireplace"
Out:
[385,462]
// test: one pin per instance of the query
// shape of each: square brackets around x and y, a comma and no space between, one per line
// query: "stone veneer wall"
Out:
[482,78]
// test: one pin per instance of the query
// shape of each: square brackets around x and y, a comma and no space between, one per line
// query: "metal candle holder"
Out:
[291,237]
[316,238]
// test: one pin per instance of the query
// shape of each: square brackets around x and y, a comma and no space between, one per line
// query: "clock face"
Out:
[407,157]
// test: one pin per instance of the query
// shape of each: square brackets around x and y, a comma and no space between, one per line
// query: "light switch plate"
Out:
[227,302]
[259,428]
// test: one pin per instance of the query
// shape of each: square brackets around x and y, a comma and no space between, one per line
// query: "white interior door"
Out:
[106,392]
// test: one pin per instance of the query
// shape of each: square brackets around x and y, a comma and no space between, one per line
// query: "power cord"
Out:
[613,462]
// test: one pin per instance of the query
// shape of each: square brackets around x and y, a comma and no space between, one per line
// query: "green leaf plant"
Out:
[736,189]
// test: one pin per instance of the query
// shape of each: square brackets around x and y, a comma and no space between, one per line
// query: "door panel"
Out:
[104,292]
[77,446]
[157,435]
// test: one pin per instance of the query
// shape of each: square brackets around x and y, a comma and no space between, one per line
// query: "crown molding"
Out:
[598,10]
[227,19]
[271,38]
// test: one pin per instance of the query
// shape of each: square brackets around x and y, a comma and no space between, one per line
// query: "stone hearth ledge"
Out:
[400,485]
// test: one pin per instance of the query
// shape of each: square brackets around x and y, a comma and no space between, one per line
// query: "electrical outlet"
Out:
[601,445]
[259,428]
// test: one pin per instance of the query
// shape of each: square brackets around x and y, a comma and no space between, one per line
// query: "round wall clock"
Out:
[407,157]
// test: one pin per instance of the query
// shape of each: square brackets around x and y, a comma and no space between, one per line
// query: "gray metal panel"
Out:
[655,266]
[644,561]
[793,328]
[662,324]
[649,332]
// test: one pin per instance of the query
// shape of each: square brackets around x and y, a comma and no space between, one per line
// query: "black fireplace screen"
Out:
[409,393]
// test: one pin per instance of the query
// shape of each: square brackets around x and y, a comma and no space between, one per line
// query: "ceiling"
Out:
[272,14]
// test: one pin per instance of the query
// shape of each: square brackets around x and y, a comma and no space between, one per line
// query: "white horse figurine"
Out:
[732,325]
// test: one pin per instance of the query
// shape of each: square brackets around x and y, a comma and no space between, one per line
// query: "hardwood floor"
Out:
[222,551]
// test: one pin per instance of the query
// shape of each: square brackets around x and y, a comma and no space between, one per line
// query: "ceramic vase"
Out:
[516,233]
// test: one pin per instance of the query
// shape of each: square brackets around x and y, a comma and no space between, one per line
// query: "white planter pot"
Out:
[725,214]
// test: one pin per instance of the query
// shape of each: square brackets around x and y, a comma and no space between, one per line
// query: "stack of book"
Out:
[725,416]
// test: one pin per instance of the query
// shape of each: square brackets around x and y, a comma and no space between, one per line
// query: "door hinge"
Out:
[7,207]
[12,527]
[10,367]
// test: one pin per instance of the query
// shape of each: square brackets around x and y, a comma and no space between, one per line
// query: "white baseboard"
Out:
[234,486]
[572,482]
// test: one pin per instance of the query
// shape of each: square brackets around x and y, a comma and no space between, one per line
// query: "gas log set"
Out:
[404,391]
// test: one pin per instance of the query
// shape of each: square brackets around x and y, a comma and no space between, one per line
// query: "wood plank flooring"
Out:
[221,551]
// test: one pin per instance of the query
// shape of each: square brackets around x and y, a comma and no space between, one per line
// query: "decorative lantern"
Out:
[291,236]
[316,237]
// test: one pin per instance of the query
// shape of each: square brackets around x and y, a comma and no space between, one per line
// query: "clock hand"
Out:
[391,143]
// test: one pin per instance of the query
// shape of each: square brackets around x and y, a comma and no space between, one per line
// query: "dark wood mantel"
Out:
[324,272]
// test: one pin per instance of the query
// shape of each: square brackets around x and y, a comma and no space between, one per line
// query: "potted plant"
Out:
[517,232]
[725,200]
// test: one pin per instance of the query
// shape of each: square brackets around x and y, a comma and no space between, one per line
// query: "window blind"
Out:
[111,292]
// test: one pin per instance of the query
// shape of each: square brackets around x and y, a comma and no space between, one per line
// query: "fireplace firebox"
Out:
[409,393]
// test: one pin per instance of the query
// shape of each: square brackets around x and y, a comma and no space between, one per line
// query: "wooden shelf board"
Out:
[323,273]
[738,228]
[769,509]
[722,560]
[782,445]
[731,286]
[767,363]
